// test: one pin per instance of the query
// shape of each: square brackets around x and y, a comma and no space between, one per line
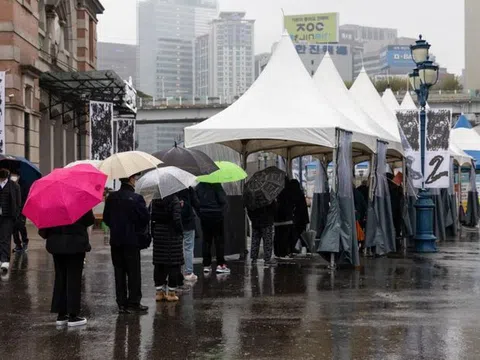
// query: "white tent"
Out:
[408,102]
[390,100]
[332,87]
[282,109]
[368,98]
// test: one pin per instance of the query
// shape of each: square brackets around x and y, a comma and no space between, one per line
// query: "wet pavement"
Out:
[416,307]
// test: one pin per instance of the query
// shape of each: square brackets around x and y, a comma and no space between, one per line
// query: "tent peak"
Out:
[462,122]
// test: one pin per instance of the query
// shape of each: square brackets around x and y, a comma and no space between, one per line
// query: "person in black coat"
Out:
[127,216]
[68,245]
[396,200]
[10,207]
[213,202]
[301,217]
[167,230]
[284,226]
[262,227]
[20,235]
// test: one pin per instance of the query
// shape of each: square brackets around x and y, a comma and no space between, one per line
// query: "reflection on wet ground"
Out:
[416,307]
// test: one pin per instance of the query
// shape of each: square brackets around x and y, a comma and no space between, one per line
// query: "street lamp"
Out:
[421,79]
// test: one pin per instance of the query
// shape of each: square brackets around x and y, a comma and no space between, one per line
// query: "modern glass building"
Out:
[166,34]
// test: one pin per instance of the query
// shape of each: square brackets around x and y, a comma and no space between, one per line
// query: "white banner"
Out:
[437,156]
[101,130]
[409,128]
[2,112]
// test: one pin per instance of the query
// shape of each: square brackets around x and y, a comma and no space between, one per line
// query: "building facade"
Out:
[121,58]
[261,61]
[472,46]
[166,34]
[38,36]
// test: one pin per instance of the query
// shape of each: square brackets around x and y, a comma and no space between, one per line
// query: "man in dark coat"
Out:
[189,203]
[10,206]
[213,202]
[127,216]
[396,199]
[68,245]
[20,235]
[167,231]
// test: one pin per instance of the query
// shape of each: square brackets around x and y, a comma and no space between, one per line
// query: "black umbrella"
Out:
[193,161]
[263,188]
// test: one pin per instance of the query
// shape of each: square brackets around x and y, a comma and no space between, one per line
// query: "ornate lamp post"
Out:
[422,78]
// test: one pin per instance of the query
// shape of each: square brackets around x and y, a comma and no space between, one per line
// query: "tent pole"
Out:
[244,253]
[371,190]
[334,186]
[405,195]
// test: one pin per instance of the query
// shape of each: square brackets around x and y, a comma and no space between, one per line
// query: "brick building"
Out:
[39,37]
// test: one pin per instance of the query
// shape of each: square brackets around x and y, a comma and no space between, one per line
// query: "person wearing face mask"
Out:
[10,207]
[20,235]
[127,216]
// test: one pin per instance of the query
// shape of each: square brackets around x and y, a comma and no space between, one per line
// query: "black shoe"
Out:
[62,320]
[123,310]
[76,321]
[18,249]
[25,246]
[138,308]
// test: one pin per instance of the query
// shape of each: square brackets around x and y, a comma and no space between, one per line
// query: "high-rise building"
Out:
[230,60]
[472,46]
[261,61]
[121,58]
[166,34]
[362,34]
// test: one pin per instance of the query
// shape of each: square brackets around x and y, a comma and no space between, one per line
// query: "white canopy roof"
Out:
[408,103]
[282,109]
[466,139]
[458,154]
[390,100]
[368,98]
[332,87]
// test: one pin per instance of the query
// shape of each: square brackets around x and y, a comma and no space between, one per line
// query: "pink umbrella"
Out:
[64,196]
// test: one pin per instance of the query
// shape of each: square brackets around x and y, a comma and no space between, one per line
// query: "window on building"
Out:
[91,40]
[42,15]
[26,126]
[28,97]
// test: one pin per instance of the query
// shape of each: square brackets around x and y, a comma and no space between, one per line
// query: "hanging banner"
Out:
[2,112]
[124,130]
[437,156]
[409,128]
[101,130]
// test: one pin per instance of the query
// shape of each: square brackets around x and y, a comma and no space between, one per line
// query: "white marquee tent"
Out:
[390,100]
[365,94]
[332,87]
[408,102]
[282,110]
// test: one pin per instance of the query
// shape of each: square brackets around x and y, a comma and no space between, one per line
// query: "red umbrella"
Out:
[64,196]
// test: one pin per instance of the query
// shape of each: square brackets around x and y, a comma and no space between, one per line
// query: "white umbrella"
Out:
[94,163]
[162,182]
[128,163]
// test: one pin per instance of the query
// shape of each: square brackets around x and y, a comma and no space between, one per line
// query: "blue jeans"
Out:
[188,245]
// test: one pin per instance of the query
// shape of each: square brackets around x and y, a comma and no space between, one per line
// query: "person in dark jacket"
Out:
[213,202]
[301,217]
[189,202]
[284,226]
[396,200]
[262,228]
[68,245]
[127,216]
[20,235]
[364,190]
[167,230]
[10,207]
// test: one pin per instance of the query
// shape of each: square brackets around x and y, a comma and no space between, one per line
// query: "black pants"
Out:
[284,239]
[126,263]
[212,230]
[164,274]
[20,236]
[6,229]
[68,283]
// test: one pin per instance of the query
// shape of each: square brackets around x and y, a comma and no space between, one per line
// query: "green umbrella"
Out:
[227,172]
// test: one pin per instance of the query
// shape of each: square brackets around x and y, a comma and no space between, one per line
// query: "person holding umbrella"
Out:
[65,228]
[10,206]
[127,216]
[20,235]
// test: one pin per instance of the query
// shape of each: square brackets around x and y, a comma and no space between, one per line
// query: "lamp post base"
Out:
[425,240]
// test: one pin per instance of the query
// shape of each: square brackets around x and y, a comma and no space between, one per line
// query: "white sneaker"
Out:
[77,321]
[223,269]
[207,270]
[5,266]
[191,277]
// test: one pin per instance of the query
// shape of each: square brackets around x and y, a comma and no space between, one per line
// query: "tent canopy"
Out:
[332,87]
[467,139]
[390,100]
[408,103]
[365,94]
[282,110]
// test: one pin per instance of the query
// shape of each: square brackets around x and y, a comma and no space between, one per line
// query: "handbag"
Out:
[360,232]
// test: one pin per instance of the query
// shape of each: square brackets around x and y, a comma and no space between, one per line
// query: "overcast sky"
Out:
[441,22]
